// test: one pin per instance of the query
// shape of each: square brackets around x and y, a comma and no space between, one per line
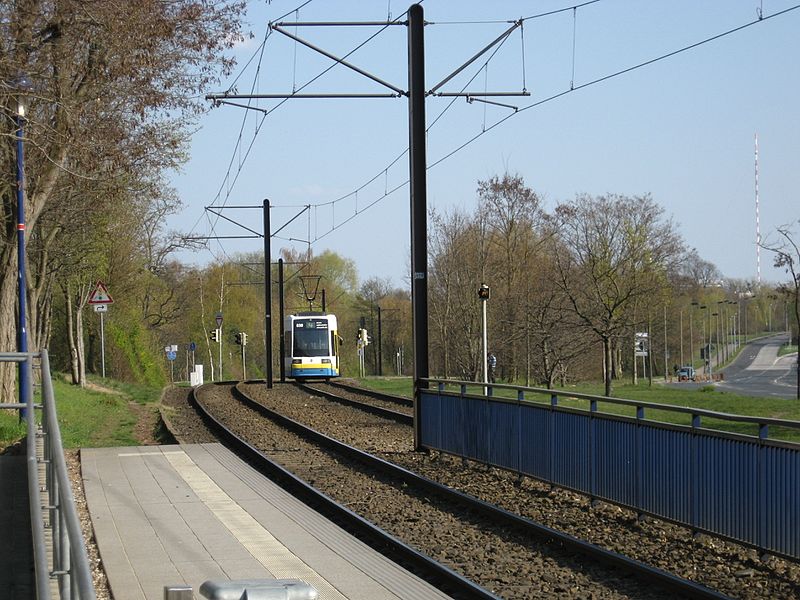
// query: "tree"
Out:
[612,253]
[787,257]
[113,101]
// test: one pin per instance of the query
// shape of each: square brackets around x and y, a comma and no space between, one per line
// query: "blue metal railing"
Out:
[727,484]
[68,562]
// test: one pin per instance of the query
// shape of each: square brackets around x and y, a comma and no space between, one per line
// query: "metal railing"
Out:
[62,555]
[724,483]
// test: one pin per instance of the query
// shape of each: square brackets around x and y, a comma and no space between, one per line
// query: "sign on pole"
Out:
[100,299]
[100,294]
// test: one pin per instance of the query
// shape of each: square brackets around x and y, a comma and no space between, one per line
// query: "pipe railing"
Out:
[70,562]
[523,394]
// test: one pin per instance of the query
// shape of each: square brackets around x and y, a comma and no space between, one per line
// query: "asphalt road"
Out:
[759,371]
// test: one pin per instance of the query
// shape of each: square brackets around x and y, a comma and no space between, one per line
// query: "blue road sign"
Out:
[192,346]
[172,355]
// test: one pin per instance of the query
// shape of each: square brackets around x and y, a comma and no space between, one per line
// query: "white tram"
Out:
[312,345]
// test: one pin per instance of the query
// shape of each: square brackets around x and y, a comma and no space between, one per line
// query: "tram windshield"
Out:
[310,338]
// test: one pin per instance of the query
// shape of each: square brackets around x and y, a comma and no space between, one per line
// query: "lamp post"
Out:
[23,87]
[707,350]
[483,294]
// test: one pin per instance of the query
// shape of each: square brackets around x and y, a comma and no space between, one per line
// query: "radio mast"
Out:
[758,226]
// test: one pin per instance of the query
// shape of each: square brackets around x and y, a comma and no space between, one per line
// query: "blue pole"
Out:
[22,335]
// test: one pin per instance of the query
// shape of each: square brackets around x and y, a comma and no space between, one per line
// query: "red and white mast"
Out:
[758,225]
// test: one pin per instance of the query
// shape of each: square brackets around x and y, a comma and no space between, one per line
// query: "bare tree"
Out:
[787,257]
[612,252]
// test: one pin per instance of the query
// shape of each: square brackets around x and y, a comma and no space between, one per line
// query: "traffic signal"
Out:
[362,334]
[239,338]
[215,335]
[244,338]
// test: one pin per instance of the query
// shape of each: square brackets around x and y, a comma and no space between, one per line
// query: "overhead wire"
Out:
[485,130]
[612,76]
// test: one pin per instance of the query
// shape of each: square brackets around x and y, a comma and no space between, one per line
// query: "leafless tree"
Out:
[787,257]
[614,254]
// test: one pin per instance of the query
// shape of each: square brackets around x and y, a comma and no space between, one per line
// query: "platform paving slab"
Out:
[169,515]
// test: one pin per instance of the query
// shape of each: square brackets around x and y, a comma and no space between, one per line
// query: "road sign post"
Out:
[100,299]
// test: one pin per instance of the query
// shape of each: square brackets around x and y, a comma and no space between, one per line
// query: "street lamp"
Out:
[483,295]
[23,88]
[707,349]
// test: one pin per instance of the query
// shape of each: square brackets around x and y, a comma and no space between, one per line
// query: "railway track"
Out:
[508,554]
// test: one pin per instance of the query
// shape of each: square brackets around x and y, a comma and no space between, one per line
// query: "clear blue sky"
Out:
[681,129]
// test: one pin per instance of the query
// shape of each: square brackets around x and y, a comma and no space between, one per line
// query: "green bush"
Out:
[132,356]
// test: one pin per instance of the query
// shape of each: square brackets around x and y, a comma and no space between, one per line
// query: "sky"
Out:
[681,129]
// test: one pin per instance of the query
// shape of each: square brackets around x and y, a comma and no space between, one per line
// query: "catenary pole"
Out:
[418,186]
[282,309]
[267,296]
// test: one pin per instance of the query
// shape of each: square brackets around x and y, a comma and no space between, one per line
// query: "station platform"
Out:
[185,514]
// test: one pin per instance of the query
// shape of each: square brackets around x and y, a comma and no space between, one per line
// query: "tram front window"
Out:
[310,338]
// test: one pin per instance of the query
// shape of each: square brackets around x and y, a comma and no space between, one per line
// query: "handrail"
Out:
[41,573]
[695,412]
[75,571]
[70,562]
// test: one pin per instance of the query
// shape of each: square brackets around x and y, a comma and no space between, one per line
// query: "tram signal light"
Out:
[483,292]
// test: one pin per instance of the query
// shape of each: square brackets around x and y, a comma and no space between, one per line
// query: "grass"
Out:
[89,417]
[787,349]
[708,398]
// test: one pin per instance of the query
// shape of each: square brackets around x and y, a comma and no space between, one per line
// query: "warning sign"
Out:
[100,294]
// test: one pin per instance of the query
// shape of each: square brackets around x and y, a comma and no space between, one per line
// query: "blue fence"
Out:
[742,487]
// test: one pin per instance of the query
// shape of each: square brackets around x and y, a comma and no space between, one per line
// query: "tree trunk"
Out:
[79,346]
[8,315]
[73,349]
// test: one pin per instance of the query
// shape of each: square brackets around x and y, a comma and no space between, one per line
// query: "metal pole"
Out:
[244,368]
[380,345]
[102,346]
[282,337]
[22,334]
[418,188]
[666,351]
[485,345]
[219,341]
[267,295]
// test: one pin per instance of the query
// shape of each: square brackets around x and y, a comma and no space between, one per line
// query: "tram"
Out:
[312,345]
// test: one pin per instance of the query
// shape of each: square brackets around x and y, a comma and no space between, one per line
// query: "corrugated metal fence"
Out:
[738,486]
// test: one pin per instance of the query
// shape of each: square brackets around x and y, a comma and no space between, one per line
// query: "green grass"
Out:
[11,430]
[91,418]
[787,349]
[708,398]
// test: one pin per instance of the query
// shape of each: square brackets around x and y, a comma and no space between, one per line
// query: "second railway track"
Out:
[509,562]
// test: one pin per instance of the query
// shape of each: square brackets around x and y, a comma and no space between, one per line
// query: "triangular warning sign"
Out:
[100,295]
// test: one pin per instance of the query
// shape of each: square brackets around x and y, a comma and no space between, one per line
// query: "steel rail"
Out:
[386,413]
[401,400]
[434,572]
[641,570]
